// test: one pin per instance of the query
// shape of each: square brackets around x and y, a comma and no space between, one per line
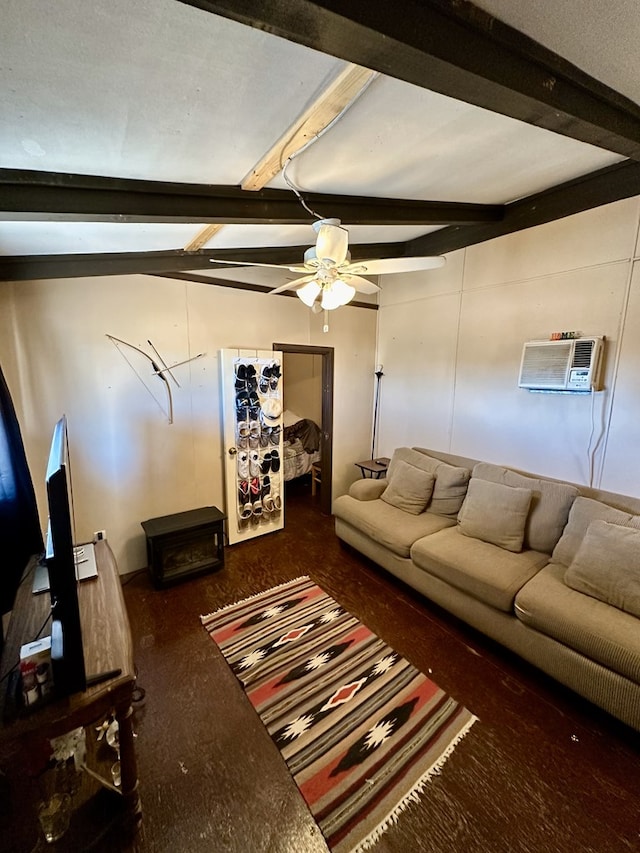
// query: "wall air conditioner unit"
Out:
[569,365]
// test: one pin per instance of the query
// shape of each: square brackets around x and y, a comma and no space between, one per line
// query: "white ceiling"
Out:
[159,90]
[600,38]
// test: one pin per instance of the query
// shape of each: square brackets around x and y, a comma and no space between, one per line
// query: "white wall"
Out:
[303,385]
[128,463]
[451,340]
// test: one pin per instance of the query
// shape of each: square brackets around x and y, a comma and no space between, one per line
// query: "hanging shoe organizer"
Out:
[253,439]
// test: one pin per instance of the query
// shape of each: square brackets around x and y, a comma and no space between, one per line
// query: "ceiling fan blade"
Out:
[292,284]
[362,285]
[246,264]
[332,242]
[385,266]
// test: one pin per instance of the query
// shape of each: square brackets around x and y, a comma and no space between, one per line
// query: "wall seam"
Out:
[194,461]
[514,282]
[616,366]
[457,352]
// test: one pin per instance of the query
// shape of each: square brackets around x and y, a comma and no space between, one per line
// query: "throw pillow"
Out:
[549,509]
[583,512]
[495,513]
[450,487]
[409,488]
[607,566]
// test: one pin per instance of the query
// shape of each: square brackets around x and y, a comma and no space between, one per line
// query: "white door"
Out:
[252,414]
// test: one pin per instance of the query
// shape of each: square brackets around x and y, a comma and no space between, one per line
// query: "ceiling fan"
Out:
[331,278]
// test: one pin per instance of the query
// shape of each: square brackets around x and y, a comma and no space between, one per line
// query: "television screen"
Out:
[67,658]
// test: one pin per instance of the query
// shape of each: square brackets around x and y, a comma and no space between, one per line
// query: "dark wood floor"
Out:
[542,770]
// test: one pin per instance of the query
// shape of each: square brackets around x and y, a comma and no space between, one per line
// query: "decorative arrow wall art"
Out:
[156,370]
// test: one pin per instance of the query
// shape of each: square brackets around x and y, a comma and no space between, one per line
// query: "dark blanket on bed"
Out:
[307,431]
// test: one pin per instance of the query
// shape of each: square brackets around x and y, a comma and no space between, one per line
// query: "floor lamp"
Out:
[378,374]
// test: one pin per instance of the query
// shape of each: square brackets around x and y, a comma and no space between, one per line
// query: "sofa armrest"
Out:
[367,490]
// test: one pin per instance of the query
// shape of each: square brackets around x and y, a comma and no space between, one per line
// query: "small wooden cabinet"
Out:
[184,544]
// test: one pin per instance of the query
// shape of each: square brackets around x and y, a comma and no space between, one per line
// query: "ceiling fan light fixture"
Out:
[337,294]
[344,291]
[309,292]
[336,279]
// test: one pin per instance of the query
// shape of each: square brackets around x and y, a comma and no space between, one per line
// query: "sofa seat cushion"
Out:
[485,571]
[387,525]
[550,504]
[595,629]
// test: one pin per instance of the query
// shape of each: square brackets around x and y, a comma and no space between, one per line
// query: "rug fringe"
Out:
[414,794]
[208,616]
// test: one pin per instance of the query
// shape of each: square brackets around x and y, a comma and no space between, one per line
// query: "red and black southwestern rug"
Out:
[361,730]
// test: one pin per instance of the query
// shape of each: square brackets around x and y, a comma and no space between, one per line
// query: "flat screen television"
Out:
[67,657]
[67,652]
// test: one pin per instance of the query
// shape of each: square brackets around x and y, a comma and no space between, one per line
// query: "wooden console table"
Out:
[107,646]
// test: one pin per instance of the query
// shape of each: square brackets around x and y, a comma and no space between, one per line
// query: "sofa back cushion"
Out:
[409,488]
[550,504]
[412,457]
[583,512]
[449,490]
[607,566]
[451,482]
[495,513]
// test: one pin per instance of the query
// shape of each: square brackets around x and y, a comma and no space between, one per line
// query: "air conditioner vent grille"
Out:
[582,354]
[545,366]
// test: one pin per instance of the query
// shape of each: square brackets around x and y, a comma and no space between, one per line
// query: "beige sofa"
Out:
[548,569]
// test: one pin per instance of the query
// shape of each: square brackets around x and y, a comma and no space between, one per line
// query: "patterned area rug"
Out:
[361,730]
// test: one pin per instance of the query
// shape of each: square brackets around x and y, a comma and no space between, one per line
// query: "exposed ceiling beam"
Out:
[331,103]
[454,48]
[292,255]
[607,185]
[604,186]
[220,282]
[54,196]
[34,267]
[245,285]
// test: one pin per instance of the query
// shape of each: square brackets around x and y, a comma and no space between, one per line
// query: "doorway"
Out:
[326,407]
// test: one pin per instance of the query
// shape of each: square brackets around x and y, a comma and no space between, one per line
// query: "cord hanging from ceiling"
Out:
[330,279]
[313,140]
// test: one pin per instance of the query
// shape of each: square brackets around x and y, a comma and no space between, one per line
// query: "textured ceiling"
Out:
[162,91]
[600,38]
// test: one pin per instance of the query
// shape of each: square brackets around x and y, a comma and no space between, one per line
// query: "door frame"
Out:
[326,431]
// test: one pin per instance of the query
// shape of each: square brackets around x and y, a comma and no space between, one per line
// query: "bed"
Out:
[301,445]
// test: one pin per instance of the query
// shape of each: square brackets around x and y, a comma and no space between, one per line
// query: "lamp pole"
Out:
[378,374]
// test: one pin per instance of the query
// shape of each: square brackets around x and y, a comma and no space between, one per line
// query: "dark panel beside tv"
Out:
[67,656]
